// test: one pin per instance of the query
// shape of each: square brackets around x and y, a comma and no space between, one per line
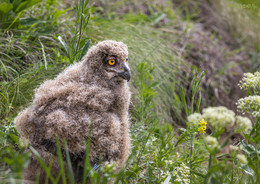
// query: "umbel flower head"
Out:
[235,148]
[250,81]
[194,118]
[243,124]
[212,142]
[242,158]
[250,104]
[219,117]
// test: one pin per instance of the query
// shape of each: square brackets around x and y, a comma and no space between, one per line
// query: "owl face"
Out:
[108,60]
[117,68]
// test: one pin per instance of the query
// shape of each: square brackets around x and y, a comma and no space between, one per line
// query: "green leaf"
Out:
[43,165]
[248,148]
[8,161]
[25,4]
[167,180]
[85,49]
[5,8]
[247,170]
[28,21]
[159,18]
[61,161]
[14,138]
[198,103]
[71,177]
[3,96]
[198,174]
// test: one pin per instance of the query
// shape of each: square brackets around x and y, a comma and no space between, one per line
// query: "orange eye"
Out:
[111,62]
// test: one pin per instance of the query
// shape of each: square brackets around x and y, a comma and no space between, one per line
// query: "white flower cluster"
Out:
[243,124]
[250,81]
[182,174]
[242,158]
[212,142]
[250,104]
[235,148]
[219,116]
[194,118]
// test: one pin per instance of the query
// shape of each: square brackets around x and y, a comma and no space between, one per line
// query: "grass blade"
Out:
[64,45]
[71,176]
[61,162]
[184,102]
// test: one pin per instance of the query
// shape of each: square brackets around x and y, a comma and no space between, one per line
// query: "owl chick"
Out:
[88,101]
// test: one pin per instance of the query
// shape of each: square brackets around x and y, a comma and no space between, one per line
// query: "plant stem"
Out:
[210,161]
[191,153]
[232,172]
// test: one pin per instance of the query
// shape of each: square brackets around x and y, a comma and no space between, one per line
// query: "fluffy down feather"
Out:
[65,107]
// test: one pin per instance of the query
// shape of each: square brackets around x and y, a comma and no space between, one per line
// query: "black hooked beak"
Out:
[126,74]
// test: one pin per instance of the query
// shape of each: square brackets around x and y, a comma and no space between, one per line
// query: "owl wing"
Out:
[71,93]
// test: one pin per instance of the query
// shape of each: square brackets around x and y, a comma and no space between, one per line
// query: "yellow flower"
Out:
[203,126]
[202,129]
[203,123]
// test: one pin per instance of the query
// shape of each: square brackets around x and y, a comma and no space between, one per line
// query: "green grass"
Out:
[162,152]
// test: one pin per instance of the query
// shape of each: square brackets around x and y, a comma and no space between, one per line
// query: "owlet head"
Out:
[109,59]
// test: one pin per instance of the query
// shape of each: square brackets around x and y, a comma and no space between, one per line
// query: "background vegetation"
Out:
[185,56]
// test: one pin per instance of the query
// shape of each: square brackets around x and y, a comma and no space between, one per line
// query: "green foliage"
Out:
[195,88]
[78,46]
[11,12]
[12,153]
[146,90]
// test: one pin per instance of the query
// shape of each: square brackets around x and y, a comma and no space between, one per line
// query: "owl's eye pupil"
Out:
[111,62]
